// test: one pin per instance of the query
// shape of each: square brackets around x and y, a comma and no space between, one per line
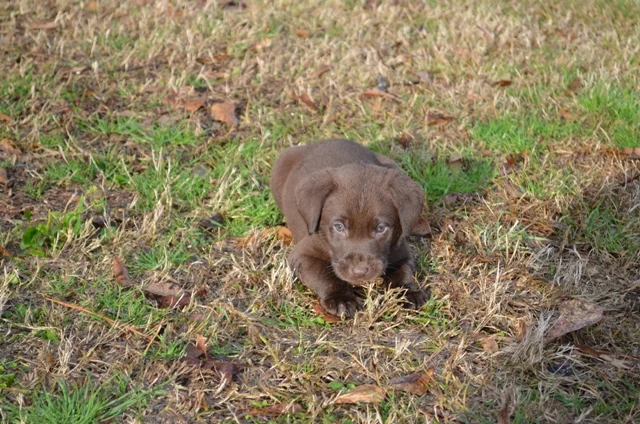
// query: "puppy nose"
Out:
[360,271]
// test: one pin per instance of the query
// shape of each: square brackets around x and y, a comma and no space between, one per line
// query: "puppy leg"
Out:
[402,277]
[336,296]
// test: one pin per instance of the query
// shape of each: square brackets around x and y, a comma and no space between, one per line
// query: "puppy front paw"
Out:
[416,298]
[343,304]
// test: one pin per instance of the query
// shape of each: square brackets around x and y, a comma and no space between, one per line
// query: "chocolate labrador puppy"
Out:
[350,212]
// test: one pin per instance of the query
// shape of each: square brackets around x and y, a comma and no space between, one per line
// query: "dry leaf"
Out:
[173,301]
[509,165]
[5,118]
[502,83]
[226,369]
[307,100]
[120,273]
[191,105]
[416,383]
[209,60]
[631,152]
[284,235]
[621,361]
[302,33]
[437,118]
[92,5]
[503,415]
[5,252]
[4,178]
[201,344]
[225,112]
[368,393]
[214,75]
[489,344]
[321,71]
[567,115]
[7,145]
[261,45]
[322,313]
[43,25]
[276,410]
[422,228]
[405,140]
[455,163]
[512,191]
[574,315]
[522,330]
[162,289]
[374,92]
[575,85]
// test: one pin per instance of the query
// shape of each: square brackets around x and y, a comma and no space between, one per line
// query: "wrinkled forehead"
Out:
[360,202]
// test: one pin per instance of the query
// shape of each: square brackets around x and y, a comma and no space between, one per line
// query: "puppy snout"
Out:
[360,271]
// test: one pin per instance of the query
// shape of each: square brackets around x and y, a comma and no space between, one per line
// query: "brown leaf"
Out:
[120,273]
[193,352]
[374,92]
[307,100]
[502,83]
[209,60]
[489,344]
[574,315]
[321,71]
[8,146]
[276,410]
[214,75]
[509,165]
[450,199]
[43,25]
[225,112]
[162,289]
[5,118]
[191,105]
[201,343]
[575,85]
[4,178]
[631,152]
[422,228]
[522,330]
[618,360]
[567,115]
[512,191]
[302,33]
[5,252]
[503,415]
[416,383]
[284,235]
[226,369]
[92,5]
[405,140]
[322,313]
[437,118]
[367,393]
[261,45]
[455,163]
[173,301]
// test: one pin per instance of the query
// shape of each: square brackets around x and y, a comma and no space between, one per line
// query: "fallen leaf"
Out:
[322,313]
[512,191]
[225,112]
[92,5]
[574,315]
[43,25]
[416,383]
[226,369]
[503,415]
[201,343]
[307,100]
[120,273]
[276,410]
[631,152]
[575,85]
[191,105]
[450,199]
[214,221]
[173,301]
[321,71]
[284,235]
[7,145]
[4,178]
[567,115]
[405,140]
[261,45]
[455,163]
[302,33]
[367,393]
[437,118]
[489,344]
[374,92]
[425,77]
[162,289]
[502,83]
[193,352]
[214,75]
[5,252]
[509,165]
[422,228]
[209,60]
[618,360]
[522,330]
[5,118]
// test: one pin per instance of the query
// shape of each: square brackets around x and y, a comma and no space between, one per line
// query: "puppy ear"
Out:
[408,198]
[311,193]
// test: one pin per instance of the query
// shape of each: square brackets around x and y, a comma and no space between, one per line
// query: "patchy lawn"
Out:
[145,131]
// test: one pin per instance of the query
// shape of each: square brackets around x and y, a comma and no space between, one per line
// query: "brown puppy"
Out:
[350,211]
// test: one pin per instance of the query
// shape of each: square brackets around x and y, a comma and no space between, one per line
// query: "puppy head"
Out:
[362,211]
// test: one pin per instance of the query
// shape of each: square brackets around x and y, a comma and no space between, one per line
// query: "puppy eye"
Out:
[381,228]
[339,227]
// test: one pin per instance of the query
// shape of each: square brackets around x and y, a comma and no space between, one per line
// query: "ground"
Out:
[145,131]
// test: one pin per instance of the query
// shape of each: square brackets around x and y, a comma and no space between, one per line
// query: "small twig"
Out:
[97,315]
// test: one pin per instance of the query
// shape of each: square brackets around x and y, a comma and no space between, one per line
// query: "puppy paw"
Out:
[416,298]
[344,304]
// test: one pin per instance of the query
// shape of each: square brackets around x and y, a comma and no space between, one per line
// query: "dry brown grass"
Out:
[497,264]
